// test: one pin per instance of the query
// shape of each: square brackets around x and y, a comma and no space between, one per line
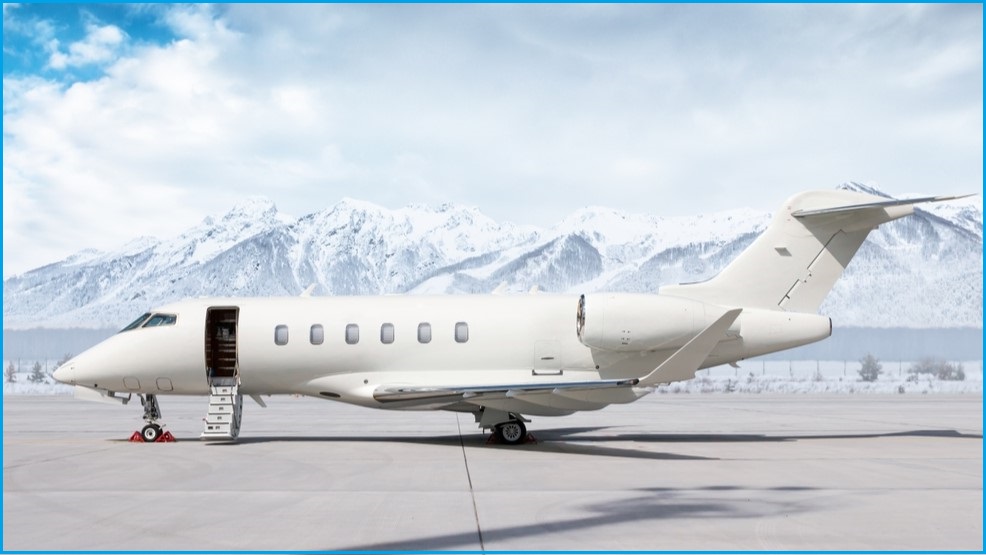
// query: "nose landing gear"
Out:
[152,432]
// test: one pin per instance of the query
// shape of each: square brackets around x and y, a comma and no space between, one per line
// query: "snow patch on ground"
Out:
[25,387]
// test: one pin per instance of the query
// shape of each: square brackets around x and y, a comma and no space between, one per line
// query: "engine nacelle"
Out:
[629,322]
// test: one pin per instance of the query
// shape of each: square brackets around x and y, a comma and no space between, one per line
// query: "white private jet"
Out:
[499,357]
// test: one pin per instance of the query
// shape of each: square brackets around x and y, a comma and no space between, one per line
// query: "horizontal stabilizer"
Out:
[868,205]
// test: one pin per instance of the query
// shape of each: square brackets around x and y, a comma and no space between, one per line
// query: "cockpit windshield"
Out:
[161,320]
[149,320]
[136,323]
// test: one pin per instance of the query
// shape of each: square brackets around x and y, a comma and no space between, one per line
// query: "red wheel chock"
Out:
[492,440]
[165,437]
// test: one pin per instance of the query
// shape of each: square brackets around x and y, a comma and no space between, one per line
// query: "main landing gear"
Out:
[152,432]
[513,432]
[508,428]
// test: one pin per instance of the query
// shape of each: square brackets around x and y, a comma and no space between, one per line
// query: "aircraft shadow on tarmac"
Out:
[561,433]
[711,502]
[476,440]
[582,441]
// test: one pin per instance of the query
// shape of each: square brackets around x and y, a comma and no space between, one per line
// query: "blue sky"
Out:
[126,120]
[36,34]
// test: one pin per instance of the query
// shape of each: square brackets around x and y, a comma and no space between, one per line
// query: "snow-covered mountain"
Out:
[922,271]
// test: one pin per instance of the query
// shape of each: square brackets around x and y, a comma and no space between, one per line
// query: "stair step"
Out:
[222,420]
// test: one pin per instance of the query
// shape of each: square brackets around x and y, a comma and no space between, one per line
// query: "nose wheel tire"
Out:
[150,433]
[511,433]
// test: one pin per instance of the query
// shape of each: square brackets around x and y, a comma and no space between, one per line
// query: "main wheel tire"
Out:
[511,433]
[150,433]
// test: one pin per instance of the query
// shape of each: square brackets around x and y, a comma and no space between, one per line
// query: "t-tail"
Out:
[794,264]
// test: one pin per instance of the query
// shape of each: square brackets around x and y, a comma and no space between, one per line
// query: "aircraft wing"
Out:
[681,365]
[454,394]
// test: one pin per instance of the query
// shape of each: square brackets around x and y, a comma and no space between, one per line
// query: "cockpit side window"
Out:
[161,320]
[136,323]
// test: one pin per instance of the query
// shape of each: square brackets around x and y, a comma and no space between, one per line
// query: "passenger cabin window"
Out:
[281,335]
[387,333]
[352,334]
[317,334]
[424,332]
[161,320]
[136,323]
[461,332]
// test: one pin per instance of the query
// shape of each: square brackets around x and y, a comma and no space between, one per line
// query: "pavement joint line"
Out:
[472,493]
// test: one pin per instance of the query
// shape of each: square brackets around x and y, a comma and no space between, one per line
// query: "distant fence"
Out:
[826,369]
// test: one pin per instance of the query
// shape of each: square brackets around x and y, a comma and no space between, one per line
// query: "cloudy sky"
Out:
[128,120]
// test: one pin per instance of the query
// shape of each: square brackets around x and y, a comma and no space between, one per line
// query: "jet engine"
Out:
[630,322]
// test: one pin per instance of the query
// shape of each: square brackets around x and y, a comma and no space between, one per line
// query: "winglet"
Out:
[683,364]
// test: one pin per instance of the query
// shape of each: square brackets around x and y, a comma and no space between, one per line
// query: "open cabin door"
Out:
[222,422]
[220,345]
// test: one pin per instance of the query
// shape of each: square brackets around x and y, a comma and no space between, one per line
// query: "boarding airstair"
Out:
[222,422]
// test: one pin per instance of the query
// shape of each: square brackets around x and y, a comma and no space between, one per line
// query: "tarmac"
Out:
[669,472]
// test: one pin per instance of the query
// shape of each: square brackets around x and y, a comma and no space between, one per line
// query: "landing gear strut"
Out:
[152,432]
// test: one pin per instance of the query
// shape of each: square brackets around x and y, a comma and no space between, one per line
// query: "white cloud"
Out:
[100,45]
[526,111]
[951,61]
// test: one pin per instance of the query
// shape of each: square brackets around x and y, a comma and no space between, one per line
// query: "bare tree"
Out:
[10,375]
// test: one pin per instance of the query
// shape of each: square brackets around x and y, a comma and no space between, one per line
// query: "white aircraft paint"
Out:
[535,354]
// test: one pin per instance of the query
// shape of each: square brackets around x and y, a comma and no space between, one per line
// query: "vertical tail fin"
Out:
[795,262]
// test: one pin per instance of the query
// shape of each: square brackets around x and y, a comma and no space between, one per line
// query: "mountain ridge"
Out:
[921,271]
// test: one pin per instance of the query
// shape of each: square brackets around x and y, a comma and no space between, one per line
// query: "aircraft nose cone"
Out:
[65,373]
